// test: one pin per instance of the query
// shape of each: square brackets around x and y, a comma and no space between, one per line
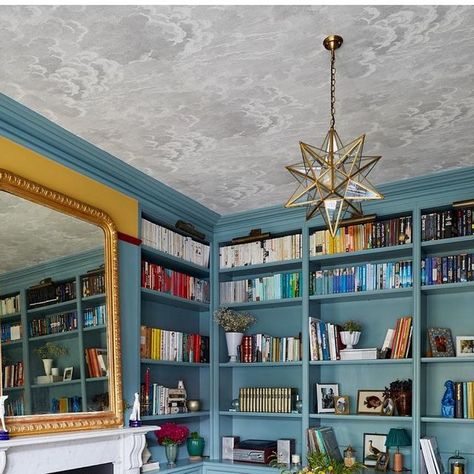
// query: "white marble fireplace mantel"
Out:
[60,452]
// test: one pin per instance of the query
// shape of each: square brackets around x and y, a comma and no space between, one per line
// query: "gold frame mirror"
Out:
[58,422]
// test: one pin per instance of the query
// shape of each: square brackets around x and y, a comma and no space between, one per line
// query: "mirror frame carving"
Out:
[54,423]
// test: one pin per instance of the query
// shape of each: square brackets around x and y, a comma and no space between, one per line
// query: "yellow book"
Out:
[470,400]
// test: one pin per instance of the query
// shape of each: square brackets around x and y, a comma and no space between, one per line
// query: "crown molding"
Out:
[32,130]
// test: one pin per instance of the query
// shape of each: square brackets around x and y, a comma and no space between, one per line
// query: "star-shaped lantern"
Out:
[333,179]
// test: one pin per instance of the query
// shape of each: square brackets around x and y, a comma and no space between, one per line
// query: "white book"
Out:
[388,342]
[150,466]
[425,448]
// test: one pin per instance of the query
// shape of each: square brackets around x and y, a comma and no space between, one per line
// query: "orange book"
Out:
[396,338]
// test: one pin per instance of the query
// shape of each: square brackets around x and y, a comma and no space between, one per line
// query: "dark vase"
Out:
[195,447]
[403,402]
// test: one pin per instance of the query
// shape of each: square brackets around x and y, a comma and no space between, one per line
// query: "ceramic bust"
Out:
[447,402]
[134,420]
[4,433]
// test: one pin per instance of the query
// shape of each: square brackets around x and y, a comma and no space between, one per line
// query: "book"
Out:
[359,354]
[150,466]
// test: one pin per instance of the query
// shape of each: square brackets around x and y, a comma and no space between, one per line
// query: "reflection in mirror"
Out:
[52,311]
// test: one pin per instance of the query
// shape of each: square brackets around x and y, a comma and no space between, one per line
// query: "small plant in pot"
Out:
[195,444]
[351,334]
[48,352]
[234,325]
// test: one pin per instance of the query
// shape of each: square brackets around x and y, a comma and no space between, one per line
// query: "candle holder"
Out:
[457,464]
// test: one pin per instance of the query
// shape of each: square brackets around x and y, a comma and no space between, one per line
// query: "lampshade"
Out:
[397,437]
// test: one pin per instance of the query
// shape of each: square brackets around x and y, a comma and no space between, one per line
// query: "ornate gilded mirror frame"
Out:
[49,423]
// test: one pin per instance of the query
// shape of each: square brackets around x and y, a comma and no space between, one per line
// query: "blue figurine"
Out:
[447,402]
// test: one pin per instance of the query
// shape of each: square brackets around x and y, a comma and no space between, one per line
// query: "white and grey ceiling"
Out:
[213,100]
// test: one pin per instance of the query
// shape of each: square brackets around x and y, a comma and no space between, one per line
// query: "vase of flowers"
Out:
[171,435]
[234,325]
[351,334]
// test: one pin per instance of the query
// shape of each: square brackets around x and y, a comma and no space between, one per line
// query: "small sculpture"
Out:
[134,420]
[4,433]
[447,402]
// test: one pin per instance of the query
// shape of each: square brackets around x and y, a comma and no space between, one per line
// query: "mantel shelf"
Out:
[175,263]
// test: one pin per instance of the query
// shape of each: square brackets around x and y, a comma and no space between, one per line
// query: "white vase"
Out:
[48,364]
[233,341]
[350,339]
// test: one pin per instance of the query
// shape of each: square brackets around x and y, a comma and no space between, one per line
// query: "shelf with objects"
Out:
[174,332]
[258,319]
[44,338]
[360,330]
[447,345]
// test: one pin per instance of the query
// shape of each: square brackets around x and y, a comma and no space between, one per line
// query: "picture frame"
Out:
[325,393]
[464,346]
[370,402]
[441,342]
[388,407]
[341,404]
[382,461]
[374,445]
[67,375]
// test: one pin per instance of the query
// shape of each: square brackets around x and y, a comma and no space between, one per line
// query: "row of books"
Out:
[66,404]
[324,340]
[13,375]
[93,284]
[95,316]
[267,399]
[265,348]
[446,224]
[96,361]
[158,278]
[352,238]
[50,293]
[278,286]
[15,407]
[10,305]
[160,344]
[464,400]
[430,457]
[323,440]
[11,332]
[175,244]
[447,269]
[398,340]
[264,251]
[161,400]
[368,277]
[53,324]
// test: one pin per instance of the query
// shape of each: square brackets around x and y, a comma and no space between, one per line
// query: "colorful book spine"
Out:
[439,270]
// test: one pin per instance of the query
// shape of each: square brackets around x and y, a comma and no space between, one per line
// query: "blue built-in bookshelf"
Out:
[216,384]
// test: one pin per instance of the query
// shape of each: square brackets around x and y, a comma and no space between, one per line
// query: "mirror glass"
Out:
[52,311]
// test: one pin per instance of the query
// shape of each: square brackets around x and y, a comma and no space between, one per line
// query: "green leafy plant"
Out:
[352,326]
[50,351]
[320,463]
[233,321]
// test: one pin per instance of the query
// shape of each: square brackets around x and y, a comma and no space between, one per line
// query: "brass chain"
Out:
[333,88]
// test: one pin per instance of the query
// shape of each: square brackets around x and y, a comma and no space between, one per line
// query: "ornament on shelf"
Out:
[134,420]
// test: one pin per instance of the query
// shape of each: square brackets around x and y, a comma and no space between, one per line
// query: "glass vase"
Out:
[171,451]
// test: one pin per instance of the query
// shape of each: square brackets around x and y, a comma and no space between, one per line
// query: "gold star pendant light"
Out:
[333,179]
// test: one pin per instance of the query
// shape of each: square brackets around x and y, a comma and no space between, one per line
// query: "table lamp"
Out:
[397,437]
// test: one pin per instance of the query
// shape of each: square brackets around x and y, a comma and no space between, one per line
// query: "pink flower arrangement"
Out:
[171,433]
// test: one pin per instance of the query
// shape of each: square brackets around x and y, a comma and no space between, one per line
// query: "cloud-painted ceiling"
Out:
[214,100]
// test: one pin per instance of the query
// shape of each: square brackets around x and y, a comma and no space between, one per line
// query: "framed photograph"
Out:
[465,346]
[441,342]
[382,461]
[374,446]
[370,402]
[67,375]
[325,393]
[388,407]
[341,405]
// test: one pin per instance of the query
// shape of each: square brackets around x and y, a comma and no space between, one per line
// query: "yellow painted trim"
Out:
[35,167]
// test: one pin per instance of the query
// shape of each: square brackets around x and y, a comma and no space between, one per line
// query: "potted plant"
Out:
[400,391]
[234,325]
[351,334]
[195,444]
[321,463]
[171,435]
[48,352]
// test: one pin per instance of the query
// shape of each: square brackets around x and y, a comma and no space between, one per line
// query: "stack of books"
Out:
[430,458]
[13,375]
[324,340]
[264,348]
[360,354]
[53,324]
[464,400]
[11,332]
[95,316]
[323,440]
[447,224]
[448,269]
[93,284]
[398,340]
[96,360]
[10,305]
[267,399]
